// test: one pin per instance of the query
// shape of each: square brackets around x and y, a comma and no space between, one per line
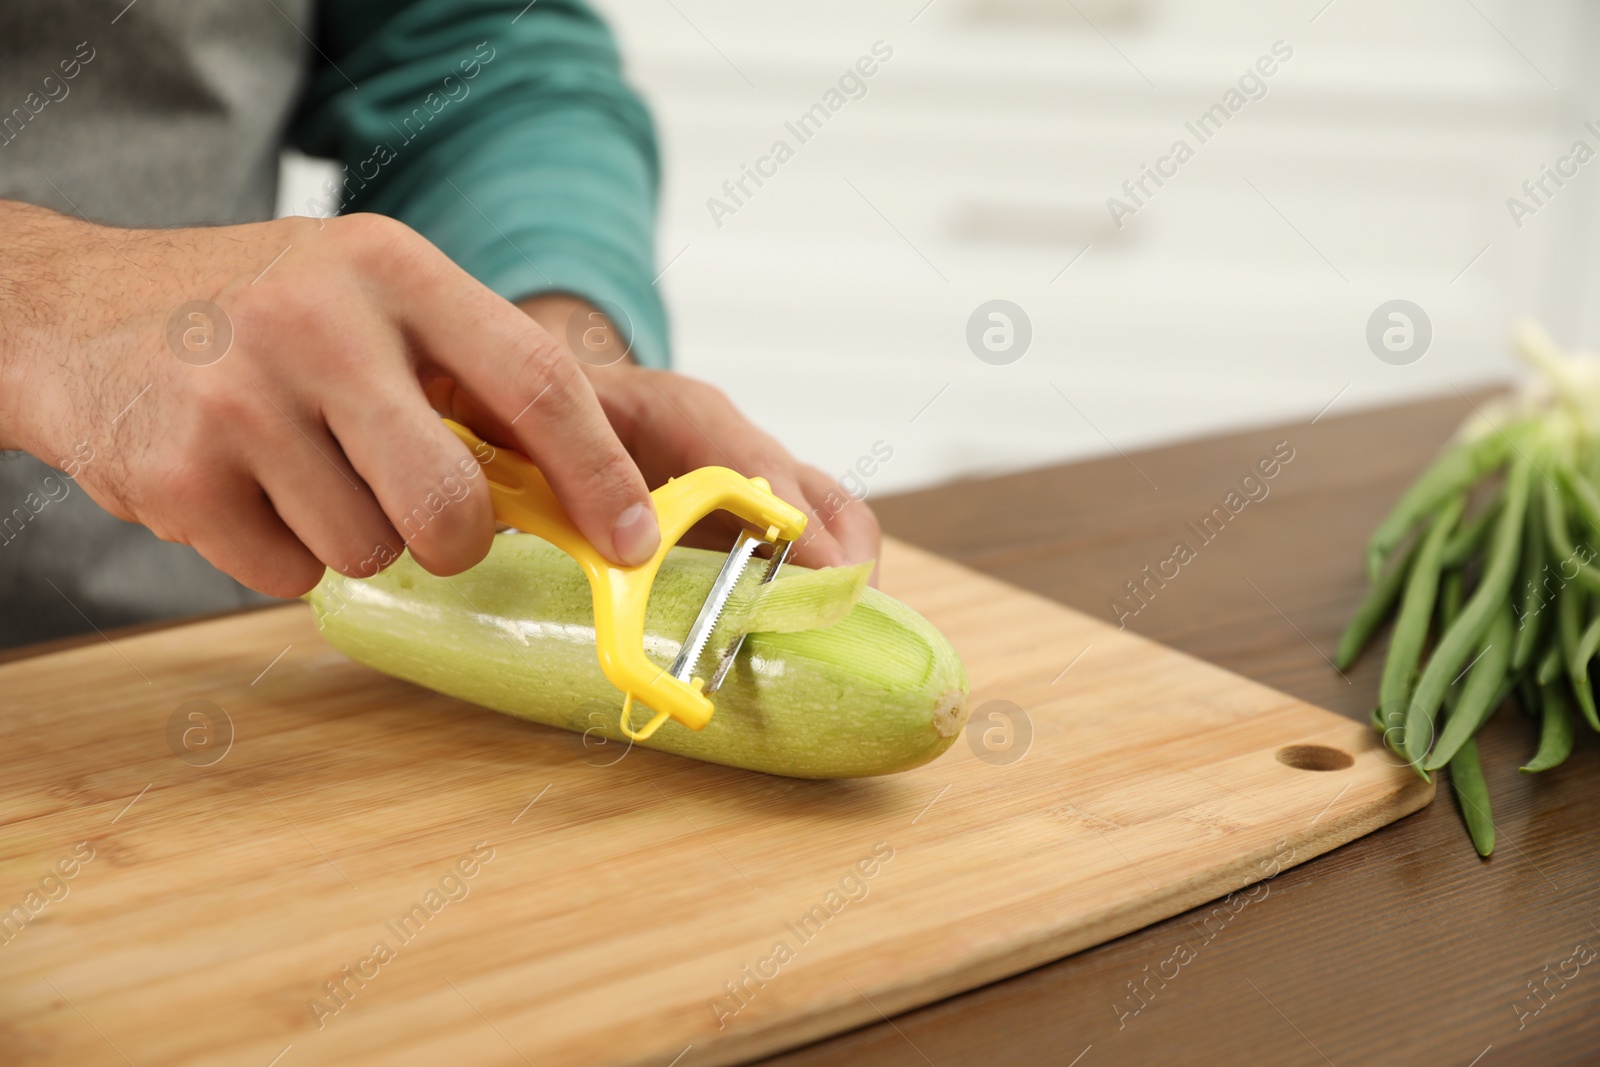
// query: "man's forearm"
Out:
[306,440]
[33,294]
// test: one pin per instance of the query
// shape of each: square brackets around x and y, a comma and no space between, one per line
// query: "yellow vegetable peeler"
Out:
[524,500]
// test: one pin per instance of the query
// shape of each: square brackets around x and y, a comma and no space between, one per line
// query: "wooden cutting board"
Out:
[485,890]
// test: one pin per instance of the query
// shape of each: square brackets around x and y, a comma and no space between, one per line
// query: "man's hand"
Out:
[307,438]
[672,424]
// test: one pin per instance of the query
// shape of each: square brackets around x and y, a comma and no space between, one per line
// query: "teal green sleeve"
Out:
[503,133]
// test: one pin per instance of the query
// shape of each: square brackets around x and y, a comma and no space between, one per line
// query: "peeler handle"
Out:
[524,500]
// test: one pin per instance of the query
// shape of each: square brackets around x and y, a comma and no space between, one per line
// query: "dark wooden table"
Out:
[1400,948]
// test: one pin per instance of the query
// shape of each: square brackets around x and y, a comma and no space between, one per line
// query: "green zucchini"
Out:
[877,692]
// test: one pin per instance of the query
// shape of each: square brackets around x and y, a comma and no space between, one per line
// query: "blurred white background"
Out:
[833,304]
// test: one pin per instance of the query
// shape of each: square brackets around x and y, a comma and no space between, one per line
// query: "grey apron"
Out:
[155,113]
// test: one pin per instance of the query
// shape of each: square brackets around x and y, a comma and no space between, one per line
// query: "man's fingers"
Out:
[817,546]
[562,429]
[542,404]
[319,495]
[427,482]
[244,537]
[848,519]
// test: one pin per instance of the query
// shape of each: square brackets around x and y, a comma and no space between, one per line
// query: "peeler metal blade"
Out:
[732,568]
[780,551]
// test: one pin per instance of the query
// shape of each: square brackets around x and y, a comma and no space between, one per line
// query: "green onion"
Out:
[1375,610]
[1452,474]
[1411,627]
[1451,653]
[1470,536]
[1485,688]
[1504,600]
[1530,594]
[1472,793]
[1555,734]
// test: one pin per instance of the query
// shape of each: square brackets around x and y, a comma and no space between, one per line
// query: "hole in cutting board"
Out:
[1314,758]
